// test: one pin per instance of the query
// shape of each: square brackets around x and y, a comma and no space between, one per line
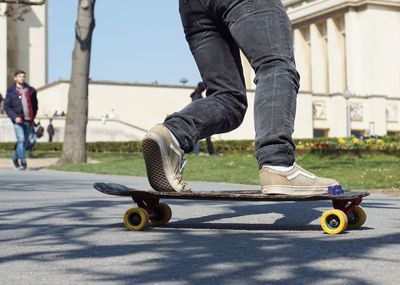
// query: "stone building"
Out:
[348,47]
[347,54]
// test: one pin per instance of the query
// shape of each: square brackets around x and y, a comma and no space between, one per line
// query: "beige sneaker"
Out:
[296,181]
[164,160]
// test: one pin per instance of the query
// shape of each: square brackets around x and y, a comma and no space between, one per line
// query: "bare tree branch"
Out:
[24,2]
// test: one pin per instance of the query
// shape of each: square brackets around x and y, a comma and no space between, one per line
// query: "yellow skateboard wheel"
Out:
[162,214]
[334,221]
[356,218]
[136,219]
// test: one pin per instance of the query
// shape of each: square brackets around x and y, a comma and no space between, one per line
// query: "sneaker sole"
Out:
[15,163]
[295,191]
[153,157]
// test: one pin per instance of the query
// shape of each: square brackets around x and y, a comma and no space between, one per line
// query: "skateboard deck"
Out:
[346,213]
[248,195]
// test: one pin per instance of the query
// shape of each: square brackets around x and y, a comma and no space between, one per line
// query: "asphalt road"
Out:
[56,229]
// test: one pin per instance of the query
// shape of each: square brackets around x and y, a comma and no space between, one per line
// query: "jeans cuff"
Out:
[276,155]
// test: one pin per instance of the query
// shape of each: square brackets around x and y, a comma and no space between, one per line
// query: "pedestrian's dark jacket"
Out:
[50,130]
[13,104]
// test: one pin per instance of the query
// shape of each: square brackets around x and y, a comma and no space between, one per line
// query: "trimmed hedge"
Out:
[318,146]
[245,146]
[351,145]
[135,146]
[132,146]
[7,146]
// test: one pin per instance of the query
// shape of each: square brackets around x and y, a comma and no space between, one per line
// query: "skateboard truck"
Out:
[148,204]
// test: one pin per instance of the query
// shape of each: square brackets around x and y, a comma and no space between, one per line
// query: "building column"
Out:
[303,126]
[337,116]
[336,55]
[354,42]
[38,46]
[319,60]
[301,38]
[3,52]
[27,46]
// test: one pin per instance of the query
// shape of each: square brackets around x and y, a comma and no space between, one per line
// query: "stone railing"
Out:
[97,130]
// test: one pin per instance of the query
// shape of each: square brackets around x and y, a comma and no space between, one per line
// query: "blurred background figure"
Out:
[1,104]
[50,130]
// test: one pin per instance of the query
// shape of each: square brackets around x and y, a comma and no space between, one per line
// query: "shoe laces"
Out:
[181,166]
[179,174]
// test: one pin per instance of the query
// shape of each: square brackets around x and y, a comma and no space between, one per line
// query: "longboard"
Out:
[347,212]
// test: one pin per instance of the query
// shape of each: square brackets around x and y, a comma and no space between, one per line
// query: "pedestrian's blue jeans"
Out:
[22,131]
[216,31]
[196,148]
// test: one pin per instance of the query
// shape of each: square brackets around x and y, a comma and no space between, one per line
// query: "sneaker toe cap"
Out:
[329,181]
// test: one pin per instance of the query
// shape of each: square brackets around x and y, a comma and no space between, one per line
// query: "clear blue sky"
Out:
[134,41]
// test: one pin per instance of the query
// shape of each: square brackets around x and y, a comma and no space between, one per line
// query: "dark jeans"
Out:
[215,31]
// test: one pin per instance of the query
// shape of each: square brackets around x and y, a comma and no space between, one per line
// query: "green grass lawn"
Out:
[368,171]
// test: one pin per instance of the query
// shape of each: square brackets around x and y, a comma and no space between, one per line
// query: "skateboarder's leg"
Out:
[218,59]
[264,34]
[263,31]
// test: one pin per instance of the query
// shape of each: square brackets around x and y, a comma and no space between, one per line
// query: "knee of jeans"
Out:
[20,138]
[278,68]
[240,112]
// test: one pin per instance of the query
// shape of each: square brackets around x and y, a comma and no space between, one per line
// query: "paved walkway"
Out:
[56,229]
[34,164]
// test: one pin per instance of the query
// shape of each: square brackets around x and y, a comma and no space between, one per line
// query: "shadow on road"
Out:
[78,231]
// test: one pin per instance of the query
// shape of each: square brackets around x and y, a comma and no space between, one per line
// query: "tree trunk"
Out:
[74,148]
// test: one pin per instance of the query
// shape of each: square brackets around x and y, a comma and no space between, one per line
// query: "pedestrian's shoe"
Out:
[23,165]
[296,181]
[164,160]
[16,163]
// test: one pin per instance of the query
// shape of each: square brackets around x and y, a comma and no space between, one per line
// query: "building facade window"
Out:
[358,133]
[320,133]
[393,134]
